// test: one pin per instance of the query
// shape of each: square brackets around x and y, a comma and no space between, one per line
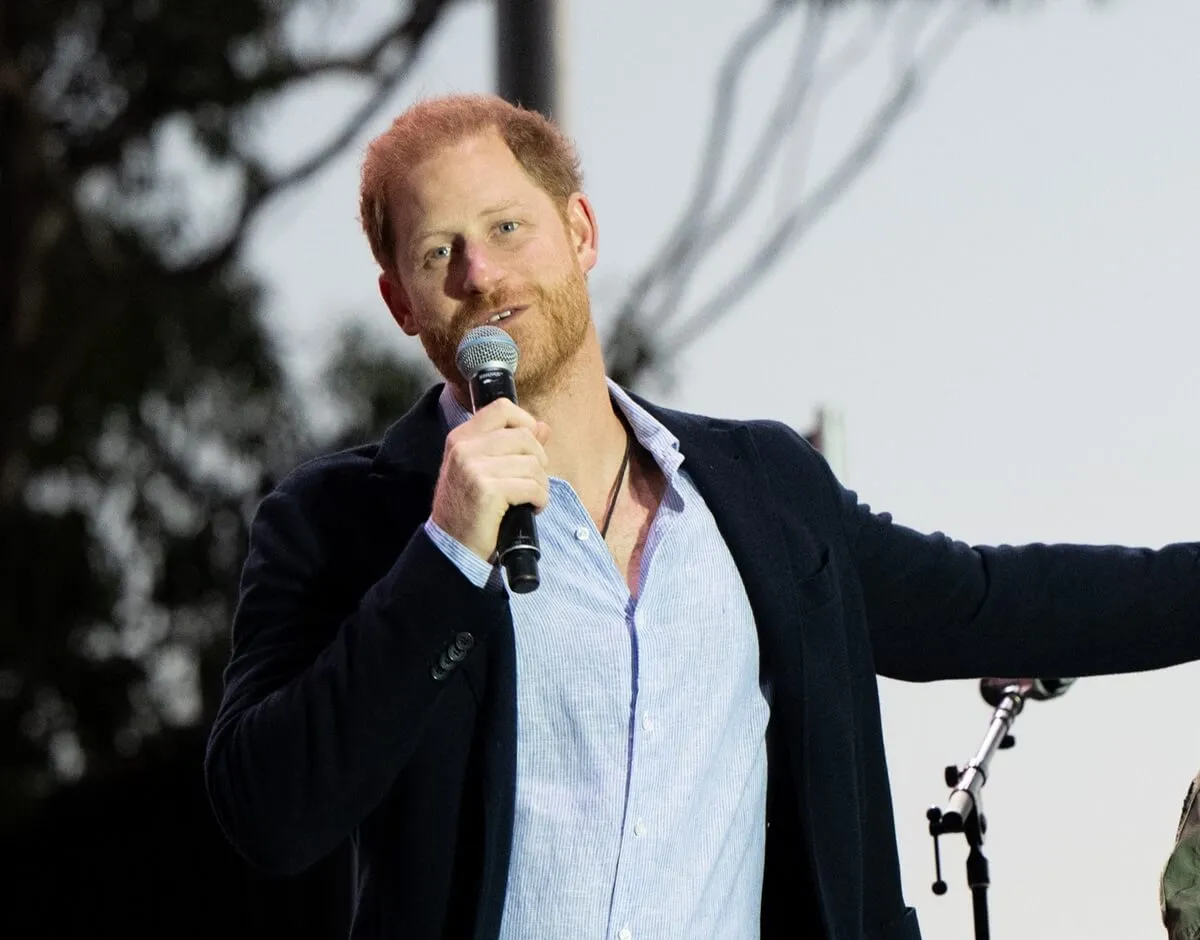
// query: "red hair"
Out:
[540,147]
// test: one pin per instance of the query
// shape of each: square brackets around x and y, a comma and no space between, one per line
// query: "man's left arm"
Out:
[938,608]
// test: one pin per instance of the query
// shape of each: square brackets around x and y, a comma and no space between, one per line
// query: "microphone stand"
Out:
[963,811]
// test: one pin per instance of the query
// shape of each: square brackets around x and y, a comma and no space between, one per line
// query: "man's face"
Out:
[476,237]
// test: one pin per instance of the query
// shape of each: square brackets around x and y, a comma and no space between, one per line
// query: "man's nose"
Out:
[481,272]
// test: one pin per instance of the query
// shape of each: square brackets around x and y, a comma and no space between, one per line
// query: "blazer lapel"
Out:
[786,571]
[406,468]
[722,462]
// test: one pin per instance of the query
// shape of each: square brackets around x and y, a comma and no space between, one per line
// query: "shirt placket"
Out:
[644,784]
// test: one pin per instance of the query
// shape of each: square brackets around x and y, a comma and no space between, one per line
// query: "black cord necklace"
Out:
[616,487]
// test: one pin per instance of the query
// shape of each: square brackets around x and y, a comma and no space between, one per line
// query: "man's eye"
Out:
[440,253]
[509,227]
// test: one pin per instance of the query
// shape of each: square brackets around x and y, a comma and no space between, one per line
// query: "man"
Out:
[677,735]
[1179,886]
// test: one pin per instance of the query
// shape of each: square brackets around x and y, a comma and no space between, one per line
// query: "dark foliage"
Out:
[143,410]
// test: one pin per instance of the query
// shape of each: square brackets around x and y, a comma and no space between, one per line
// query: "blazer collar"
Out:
[414,443]
[724,463]
[718,455]
[714,451]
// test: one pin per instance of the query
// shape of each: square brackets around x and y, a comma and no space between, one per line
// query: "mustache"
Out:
[476,307]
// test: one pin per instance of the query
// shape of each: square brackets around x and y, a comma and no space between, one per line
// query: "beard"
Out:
[548,333]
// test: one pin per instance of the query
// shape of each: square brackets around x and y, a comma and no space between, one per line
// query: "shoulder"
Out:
[311,497]
[412,444]
[318,474]
[773,440]
[695,423]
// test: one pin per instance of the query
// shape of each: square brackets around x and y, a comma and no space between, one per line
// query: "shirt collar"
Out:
[662,445]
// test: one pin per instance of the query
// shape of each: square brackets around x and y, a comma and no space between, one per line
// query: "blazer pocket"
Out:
[819,588]
[904,927]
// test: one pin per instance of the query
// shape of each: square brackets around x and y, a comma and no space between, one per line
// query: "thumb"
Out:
[542,432]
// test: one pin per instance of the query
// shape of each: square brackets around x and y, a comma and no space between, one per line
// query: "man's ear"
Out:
[396,298]
[582,230]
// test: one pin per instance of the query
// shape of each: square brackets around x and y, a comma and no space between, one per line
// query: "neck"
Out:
[587,439]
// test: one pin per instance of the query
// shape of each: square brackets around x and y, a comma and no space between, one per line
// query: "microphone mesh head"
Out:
[486,347]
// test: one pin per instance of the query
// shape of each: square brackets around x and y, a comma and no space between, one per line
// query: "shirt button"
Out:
[647,723]
[639,828]
[625,934]
[582,533]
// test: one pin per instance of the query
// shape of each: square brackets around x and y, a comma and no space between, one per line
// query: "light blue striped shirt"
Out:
[641,750]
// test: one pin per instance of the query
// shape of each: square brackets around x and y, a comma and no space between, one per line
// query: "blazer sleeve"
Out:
[939,609]
[322,705]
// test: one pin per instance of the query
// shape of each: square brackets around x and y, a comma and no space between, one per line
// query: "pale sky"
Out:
[1005,312]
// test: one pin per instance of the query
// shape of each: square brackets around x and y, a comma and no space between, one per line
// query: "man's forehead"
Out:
[475,174]
[472,162]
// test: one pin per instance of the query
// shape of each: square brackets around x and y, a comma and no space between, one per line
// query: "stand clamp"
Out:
[963,811]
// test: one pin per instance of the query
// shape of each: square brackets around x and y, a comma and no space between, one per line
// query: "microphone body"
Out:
[487,359]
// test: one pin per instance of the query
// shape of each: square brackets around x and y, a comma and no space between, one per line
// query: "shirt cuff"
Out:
[480,573]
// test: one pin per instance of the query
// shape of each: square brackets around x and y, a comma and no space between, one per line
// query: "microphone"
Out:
[487,359]
[994,690]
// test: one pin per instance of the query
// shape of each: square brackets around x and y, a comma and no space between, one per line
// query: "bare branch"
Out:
[797,223]
[637,342]
[841,64]
[789,104]
[366,62]
[678,242]
[803,217]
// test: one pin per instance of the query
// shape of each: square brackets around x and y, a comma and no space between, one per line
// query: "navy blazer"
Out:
[338,722]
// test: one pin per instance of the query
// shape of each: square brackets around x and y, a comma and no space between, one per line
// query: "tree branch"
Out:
[48,364]
[788,106]
[678,243]
[260,186]
[136,121]
[633,346]
[798,222]
[803,217]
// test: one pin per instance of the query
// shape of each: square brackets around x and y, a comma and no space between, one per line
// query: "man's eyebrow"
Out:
[491,210]
[421,236]
[501,207]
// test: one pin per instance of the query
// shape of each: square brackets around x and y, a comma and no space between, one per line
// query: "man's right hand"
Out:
[494,460]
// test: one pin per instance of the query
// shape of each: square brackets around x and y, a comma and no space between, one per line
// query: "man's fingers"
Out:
[518,488]
[514,467]
[534,492]
[501,413]
[492,461]
[503,442]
